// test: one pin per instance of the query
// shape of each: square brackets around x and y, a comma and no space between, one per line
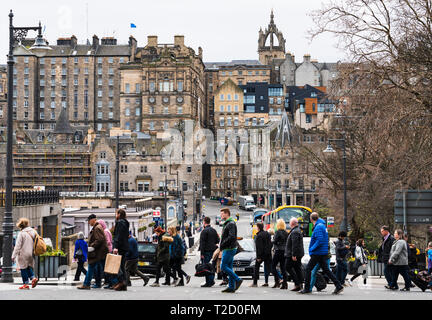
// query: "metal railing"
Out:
[30,197]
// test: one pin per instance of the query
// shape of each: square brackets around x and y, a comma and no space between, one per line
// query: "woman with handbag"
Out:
[80,254]
[360,263]
[23,253]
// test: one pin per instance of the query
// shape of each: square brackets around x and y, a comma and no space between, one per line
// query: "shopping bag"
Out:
[112,263]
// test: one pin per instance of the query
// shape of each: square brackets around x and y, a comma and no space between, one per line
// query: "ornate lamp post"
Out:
[39,48]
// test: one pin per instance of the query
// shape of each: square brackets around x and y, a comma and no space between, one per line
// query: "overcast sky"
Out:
[225,29]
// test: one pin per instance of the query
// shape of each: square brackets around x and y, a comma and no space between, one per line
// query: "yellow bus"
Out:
[286,213]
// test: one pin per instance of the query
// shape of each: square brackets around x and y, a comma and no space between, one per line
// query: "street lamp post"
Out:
[329,149]
[117,177]
[16,34]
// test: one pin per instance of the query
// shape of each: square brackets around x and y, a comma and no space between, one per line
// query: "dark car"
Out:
[147,257]
[244,261]
[218,220]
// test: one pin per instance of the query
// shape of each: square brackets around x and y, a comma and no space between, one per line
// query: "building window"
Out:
[127,88]
[180,86]
[308,118]
[221,97]
[189,169]
[123,168]
[179,110]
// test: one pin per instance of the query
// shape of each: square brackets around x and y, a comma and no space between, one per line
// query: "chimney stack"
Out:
[179,40]
[95,43]
[152,41]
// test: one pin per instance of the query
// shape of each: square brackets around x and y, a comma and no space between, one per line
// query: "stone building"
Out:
[286,178]
[144,166]
[268,49]
[82,78]
[161,86]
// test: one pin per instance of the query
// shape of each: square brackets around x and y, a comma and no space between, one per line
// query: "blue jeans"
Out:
[227,265]
[27,274]
[94,269]
[207,257]
[314,272]
[341,270]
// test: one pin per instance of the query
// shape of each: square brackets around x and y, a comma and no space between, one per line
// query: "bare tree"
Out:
[387,87]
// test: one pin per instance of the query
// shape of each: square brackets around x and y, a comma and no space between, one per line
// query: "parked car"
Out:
[147,257]
[244,261]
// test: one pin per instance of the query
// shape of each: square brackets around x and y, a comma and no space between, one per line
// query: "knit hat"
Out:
[80,235]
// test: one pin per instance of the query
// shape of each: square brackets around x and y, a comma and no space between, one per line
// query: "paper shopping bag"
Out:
[112,263]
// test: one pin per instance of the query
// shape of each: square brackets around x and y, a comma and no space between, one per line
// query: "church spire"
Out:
[272,17]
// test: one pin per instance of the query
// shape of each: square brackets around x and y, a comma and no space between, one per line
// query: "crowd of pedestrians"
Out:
[280,252]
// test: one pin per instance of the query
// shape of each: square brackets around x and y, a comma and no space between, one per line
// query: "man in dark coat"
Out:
[294,252]
[162,256]
[132,257]
[121,246]
[263,246]
[97,250]
[209,240]
[342,250]
[384,253]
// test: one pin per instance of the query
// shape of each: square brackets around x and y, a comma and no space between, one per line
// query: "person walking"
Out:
[294,252]
[317,268]
[384,253]
[228,246]
[97,251]
[121,247]
[429,257]
[398,261]
[108,238]
[318,251]
[23,253]
[342,250]
[216,262]
[279,244]
[162,256]
[177,256]
[238,216]
[360,262]
[263,246]
[80,254]
[131,265]
[209,240]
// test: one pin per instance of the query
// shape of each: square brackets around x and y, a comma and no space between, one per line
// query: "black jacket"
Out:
[294,246]
[384,250]
[208,240]
[341,250]
[263,245]
[279,240]
[121,235]
[163,249]
[229,236]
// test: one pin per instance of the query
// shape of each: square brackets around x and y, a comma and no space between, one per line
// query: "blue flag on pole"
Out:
[132,25]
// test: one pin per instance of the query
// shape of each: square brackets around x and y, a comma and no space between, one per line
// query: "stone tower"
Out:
[270,51]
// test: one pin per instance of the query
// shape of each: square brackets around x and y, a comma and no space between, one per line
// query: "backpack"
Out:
[39,246]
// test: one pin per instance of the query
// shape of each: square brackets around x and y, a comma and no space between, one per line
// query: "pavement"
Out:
[65,289]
